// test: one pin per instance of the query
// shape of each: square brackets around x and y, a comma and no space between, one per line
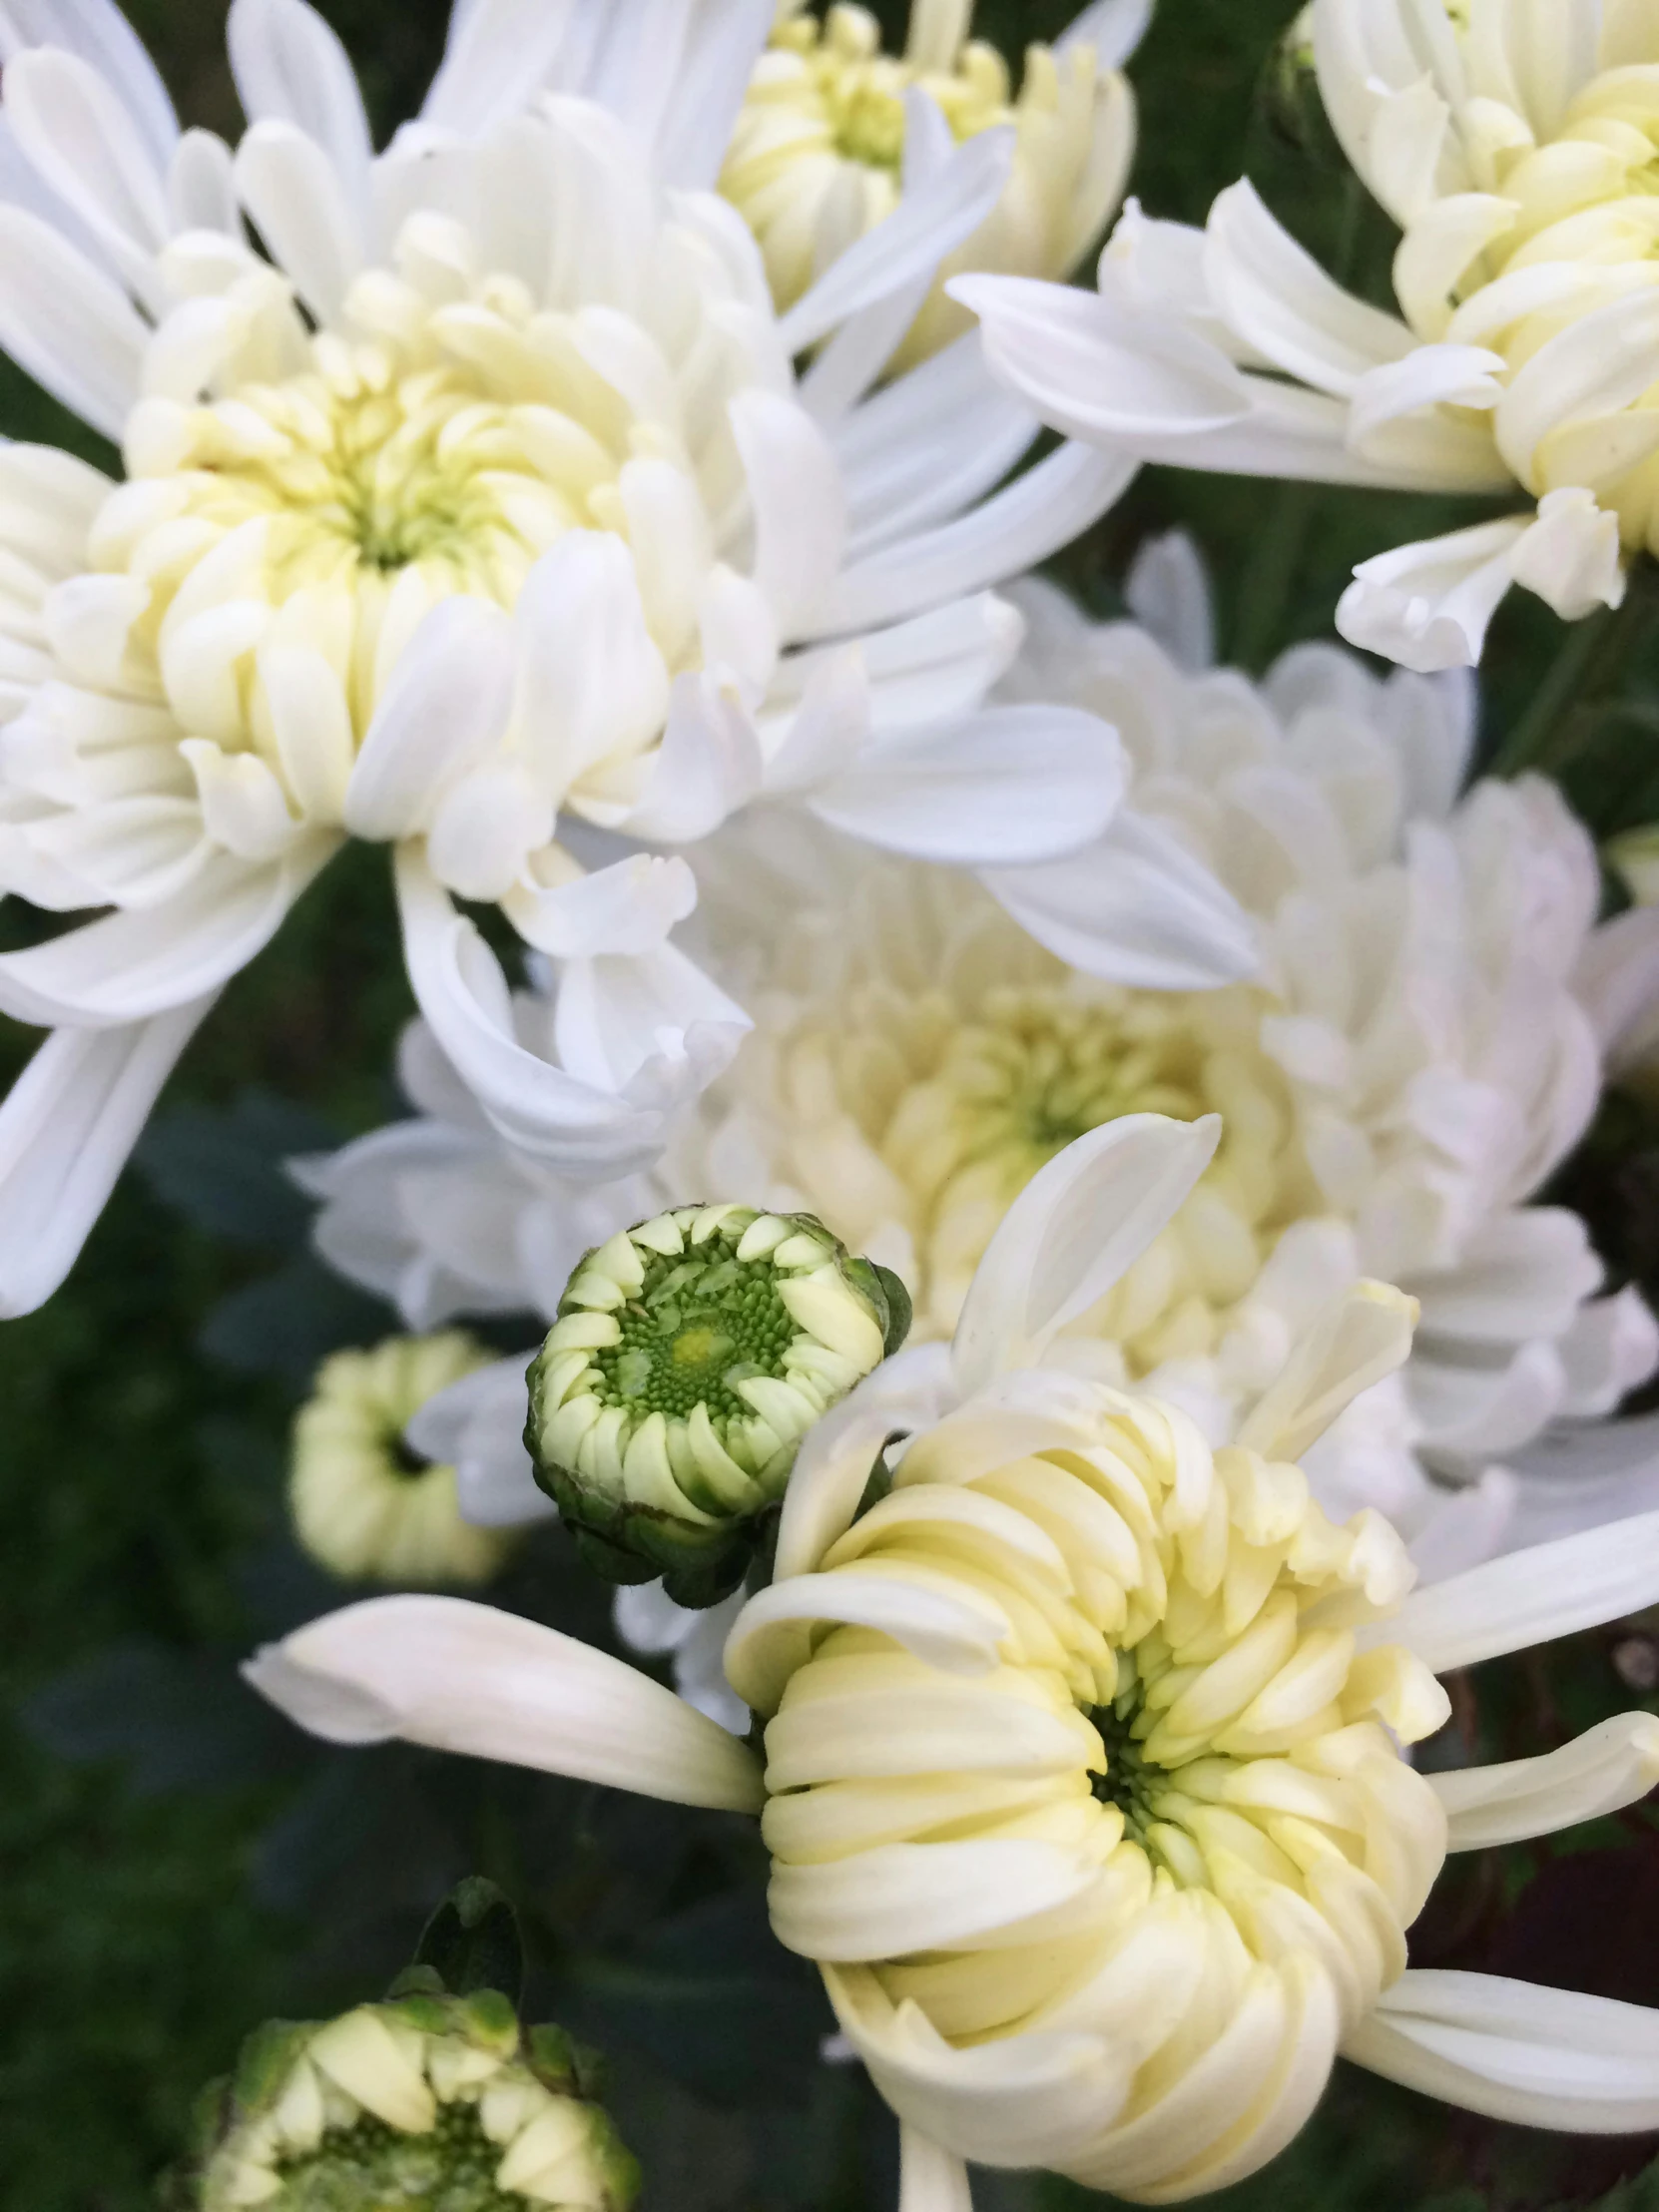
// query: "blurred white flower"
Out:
[1422,1041]
[483,500]
[828,138]
[1516,146]
[1083,1779]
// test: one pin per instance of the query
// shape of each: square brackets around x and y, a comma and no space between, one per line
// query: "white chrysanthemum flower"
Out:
[1083,1778]
[1517,147]
[1423,1044]
[365,1502]
[827,140]
[424,2099]
[484,499]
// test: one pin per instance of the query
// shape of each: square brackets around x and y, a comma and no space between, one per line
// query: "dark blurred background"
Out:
[176,1866]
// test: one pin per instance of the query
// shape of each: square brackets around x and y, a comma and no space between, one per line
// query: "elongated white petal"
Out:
[291,68]
[476,1427]
[466,1678]
[293,193]
[629,907]
[840,1453]
[901,1898]
[1134,908]
[1010,783]
[68,326]
[501,54]
[773,1634]
[1540,2057]
[1071,1234]
[1365,1336]
[931,2179]
[727,39]
[1530,1597]
[99,34]
[74,129]
[1114,28]
[1609,1767]
[445,704]
[616,1012]
[926,225]
[66,1129]
[1427,606]
[132,965]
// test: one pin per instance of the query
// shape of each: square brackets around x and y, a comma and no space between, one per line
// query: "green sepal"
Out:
[564,2066]
[901,1310]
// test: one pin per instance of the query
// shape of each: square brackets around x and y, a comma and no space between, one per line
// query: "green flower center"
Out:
[701,1325]
[370,2167]
[1131,1779]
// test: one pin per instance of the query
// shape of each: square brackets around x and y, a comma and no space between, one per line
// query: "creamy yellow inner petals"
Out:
[916,1107]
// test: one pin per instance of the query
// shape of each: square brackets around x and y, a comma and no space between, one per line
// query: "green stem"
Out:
[1588,670]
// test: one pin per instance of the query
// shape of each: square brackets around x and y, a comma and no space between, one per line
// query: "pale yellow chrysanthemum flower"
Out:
[1083,1775]
[365,1502]
[827,140]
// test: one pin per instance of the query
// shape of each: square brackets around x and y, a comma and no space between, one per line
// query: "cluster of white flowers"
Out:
[617,497]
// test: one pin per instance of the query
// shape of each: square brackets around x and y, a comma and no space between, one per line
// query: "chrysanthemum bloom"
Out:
[690,1355]
[483,500]
[364,1502]
[1083,1778]
[1515,145]
[424,2100]
[822,149]
[1422,1046]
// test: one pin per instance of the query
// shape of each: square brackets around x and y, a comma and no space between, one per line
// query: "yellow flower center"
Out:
[932,1109]
[856,93]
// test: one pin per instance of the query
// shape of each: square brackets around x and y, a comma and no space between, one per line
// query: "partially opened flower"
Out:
[483,497]
[1083,1779]
[425,2100]
[690,1355]
[1424,1012]
[1515,146]
[364,1500]
[825,141]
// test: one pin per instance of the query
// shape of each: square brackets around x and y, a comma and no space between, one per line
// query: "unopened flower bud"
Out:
[689,1359]
[436,2103]
[364,1504]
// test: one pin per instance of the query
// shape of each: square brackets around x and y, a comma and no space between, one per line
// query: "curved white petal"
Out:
[901,1898]
[1134,908]
[1530,1597]
[1071,1234]
[129,966]
[67,1127]
[290,66]
[445,705]
[499,56]
[1427,606]
[99,34]
[1008,784]
[460,1677]
[476,1427]
[79,136]
[1514,2051]
[295,197]
[773,1634]
[68,326]
[1610,1766]
[1366,1335]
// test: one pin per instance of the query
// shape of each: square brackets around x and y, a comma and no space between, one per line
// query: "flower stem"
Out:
[1586,674]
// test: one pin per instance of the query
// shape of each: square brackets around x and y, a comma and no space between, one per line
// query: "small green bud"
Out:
[426,2103]
[689,1356]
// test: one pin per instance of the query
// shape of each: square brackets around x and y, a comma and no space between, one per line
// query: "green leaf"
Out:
[472,1942]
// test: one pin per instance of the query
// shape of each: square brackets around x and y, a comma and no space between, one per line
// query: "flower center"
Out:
[942,1114]
[699,1327]
[859,92]
[370,2167]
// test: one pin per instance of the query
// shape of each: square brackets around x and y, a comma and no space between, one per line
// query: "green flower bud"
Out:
[690,1357]
[366,1506]
[426,2103]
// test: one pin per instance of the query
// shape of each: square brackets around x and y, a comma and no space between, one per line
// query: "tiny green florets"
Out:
[1129,1779]
[451,2169]
[689,1356]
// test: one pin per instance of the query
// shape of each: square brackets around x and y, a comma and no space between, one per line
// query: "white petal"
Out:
[296,196]
[629,907]
[70,327]
[1428,606]
[1365,1336]
[617,1013]
[1612,1765]
[499,56]
[291,68]
[840,1452]
[1540,2057]
[1114,28]
[798,505]
[593,686]
[1071,1234]
[1531,1597]
[466,1678]
[1134,908]
[926,224]
[1572,557]
[98,32]
[77,134]
[129,966]
[445,705]
[774,1634]
[66,1129]
[1168,593]
[476,1427]
[901,1898]
[726,41]
[1012,785]
[709,765]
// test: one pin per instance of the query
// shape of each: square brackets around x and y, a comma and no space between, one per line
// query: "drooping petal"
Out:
[1428,606]
[1540,2057]
[1607,1767]
[466,1678]
[1365,1336]
[67,1127]
[1071,1234]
